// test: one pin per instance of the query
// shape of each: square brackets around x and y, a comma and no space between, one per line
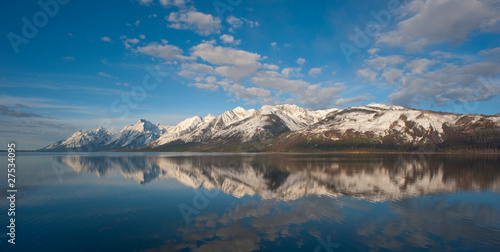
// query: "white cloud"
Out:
[490,52]
[166,51]
[245,93]
[142,36]
[219,55]
[210,87]
[228,39]
[176,3]
[137,22]
[392,75]
[318,97]
[291,72]
[373,51]
[419,66]
[129,42]
[145,2]
[315,71]
[68,58]
[234,21]
[368,74]
[236,73]
[198,67]
[274,44]
[271,67]
[466,83]
[381,62]
[301,61]
[425,22]
[201,23]
[187,74]
[106,39]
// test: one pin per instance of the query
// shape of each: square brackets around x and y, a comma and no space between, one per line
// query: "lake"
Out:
[254,202]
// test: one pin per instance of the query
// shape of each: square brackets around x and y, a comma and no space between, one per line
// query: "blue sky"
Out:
[91,63]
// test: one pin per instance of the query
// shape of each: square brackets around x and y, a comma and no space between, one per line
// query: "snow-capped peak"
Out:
[208,118]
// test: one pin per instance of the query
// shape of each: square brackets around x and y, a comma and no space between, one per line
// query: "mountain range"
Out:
[290,128]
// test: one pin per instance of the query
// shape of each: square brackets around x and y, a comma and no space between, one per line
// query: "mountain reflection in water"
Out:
[292,176]
[262,202]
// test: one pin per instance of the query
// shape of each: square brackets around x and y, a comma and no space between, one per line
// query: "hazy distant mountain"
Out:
[291,128]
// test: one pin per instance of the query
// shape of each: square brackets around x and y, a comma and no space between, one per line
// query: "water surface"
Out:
[254,202]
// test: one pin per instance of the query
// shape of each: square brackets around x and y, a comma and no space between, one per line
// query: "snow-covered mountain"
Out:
[390,126]
[130,137]
[289,177]
[138,135]
[82,141]
[291,128]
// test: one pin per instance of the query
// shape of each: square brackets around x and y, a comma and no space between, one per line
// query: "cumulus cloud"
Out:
[425,22]
[201,23]
[237,72]
[291,72]
[220,55]
[319,97]
[234,22]
[368,74]
[301,61]
[249,93]
[392,75]
[419,66]
[271,67]
[198,67]
[165,51]
[129,42]
[228,39]
[210,87]
[272,79]
[315,71]
[177,3]
[381,62]
[466,83]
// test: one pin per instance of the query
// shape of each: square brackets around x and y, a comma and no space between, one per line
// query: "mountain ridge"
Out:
[290,128]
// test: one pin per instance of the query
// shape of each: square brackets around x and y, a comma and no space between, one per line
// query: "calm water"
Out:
[247,202]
